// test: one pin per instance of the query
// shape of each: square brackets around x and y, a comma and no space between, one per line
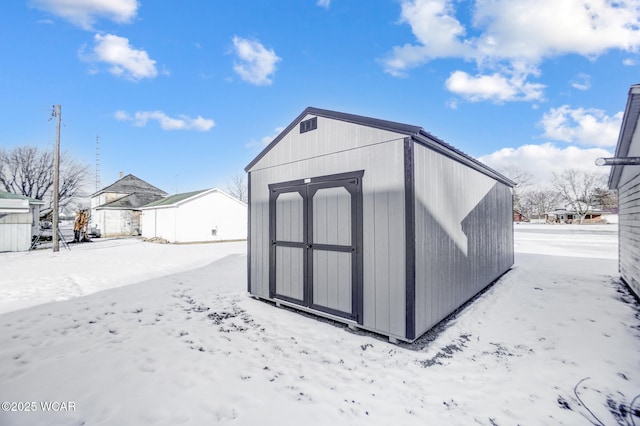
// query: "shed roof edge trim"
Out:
[417,133]
[627,130]
[406,129]
[430,141]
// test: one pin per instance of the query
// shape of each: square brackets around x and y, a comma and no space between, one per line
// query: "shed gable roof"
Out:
[131,184]
[418,134]
[627,130]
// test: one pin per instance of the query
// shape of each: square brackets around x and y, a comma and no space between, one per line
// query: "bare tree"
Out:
[238,188]
[524,181]
[539,202]
[579,189]
[28,171]
[606,198]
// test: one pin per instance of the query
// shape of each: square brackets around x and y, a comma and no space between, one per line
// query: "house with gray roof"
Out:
[115,209]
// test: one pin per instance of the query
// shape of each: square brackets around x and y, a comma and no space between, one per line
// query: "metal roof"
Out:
[130,202]
[417,133]
[178,199]
[12,196]
[174,199]
[628,128]
[131,184]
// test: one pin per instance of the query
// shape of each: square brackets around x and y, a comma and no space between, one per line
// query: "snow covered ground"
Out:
[123,332]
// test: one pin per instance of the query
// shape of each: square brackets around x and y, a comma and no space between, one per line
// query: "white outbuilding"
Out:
[19,221]
[200,216]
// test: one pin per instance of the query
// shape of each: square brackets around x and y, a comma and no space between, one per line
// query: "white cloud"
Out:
[542,160]
[182,122]
[494,87]
[437,31]
[124,60]
[513,35]
[591,128]
[588,127]
[84,13]
[582,82]
[121,115]
[324,3]
[536,29]
[265,140]
[255,64]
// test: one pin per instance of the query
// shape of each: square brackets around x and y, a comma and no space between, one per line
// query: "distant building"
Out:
[19,221]
[626,180]
[518,216]
[208,215]
[115,209]
[569,216]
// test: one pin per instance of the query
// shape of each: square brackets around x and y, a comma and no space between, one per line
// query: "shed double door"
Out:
[316,240]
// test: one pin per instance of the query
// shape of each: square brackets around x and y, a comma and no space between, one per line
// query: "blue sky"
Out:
[185,94]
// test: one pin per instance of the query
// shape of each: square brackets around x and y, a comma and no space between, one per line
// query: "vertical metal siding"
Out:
[332,286]
[334,203]
[289,217]
[629,232]
[337,147]
[15,232]
[464,234]
[289,273]
[332,270]
[259,244]
[289,209]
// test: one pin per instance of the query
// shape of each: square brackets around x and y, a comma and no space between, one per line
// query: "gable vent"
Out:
[309,125]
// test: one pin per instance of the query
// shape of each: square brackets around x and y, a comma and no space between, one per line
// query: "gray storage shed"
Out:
[374,223]
[626,180]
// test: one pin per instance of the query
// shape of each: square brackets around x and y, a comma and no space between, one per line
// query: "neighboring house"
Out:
[208,215]
[115,209]
[519,217]
[19,221]
[374,223]
[626,180]
[569,216]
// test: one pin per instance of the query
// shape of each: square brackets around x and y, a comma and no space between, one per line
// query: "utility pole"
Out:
[56,177]
[97,163]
